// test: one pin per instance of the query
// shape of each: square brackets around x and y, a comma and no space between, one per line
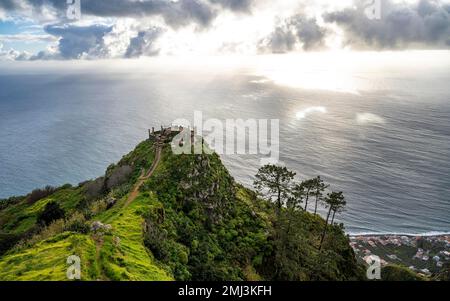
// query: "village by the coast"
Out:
[423,254]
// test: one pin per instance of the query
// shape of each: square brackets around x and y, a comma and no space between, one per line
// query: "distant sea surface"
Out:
[386,145]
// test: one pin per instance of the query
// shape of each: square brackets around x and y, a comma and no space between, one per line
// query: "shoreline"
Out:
[424,234]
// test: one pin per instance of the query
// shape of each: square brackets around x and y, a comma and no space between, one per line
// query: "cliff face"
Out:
[188,220]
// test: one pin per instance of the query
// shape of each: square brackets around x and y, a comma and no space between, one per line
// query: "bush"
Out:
[399,273]
[66,186]
[51,213]
[156,241]
[98,207]
[119,176]
[77,223]
[7,241]
[9,202]
[39,194]
[54,228]
[96,188]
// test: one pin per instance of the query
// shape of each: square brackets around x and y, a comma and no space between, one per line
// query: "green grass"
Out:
[101,258]
[106,260]
[68,198]
[21,217]
[47,260]
[129,259]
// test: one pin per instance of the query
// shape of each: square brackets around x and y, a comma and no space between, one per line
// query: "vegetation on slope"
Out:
[394,272]
[190,221]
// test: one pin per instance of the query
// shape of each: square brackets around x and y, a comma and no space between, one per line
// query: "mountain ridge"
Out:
[189,220]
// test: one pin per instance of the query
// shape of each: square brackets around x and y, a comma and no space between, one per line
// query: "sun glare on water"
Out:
[317,71]
[304,113]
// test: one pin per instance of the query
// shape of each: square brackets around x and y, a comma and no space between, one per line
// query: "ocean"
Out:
[378,132]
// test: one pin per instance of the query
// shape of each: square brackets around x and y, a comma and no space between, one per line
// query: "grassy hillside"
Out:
[188,221]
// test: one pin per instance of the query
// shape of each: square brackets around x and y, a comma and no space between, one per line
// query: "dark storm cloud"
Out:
[309,33]
[9,4]
[183,12]
[425,23]
[76,41]
[297,30]
[234,5]
[176,14]
[280,41]
[144,44]
[88,41]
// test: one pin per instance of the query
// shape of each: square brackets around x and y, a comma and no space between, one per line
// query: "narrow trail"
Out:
[98,246]
[133,195]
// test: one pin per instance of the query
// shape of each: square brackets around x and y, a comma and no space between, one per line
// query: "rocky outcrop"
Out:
[98,226]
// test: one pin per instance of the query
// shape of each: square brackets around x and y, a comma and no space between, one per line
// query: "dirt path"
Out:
[98,246]
[133,195]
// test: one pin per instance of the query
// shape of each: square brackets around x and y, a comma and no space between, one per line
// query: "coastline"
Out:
[424,234]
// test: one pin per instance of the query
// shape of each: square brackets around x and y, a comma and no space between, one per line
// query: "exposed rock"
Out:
[116,241]
[100,227]
[110,202]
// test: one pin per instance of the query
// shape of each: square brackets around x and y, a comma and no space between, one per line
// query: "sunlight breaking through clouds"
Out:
[220,27]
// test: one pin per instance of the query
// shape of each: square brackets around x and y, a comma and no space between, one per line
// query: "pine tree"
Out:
[308,186]
[274,182]
[318,190]
[335,202]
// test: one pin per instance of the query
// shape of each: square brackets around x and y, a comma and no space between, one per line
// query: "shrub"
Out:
[98,207]
[156,240]
[9,202]
[399,273]
[78,227]
[66,186]
[7,241]
[96,188]
[119,176]
[39,194]
[56,227]
[77,223]
[51,213]
[83,204]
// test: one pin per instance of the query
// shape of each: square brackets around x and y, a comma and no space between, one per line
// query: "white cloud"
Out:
[418,24]
[12,55]
[211,27]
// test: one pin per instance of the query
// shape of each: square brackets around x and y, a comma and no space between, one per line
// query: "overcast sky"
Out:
[43,29]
